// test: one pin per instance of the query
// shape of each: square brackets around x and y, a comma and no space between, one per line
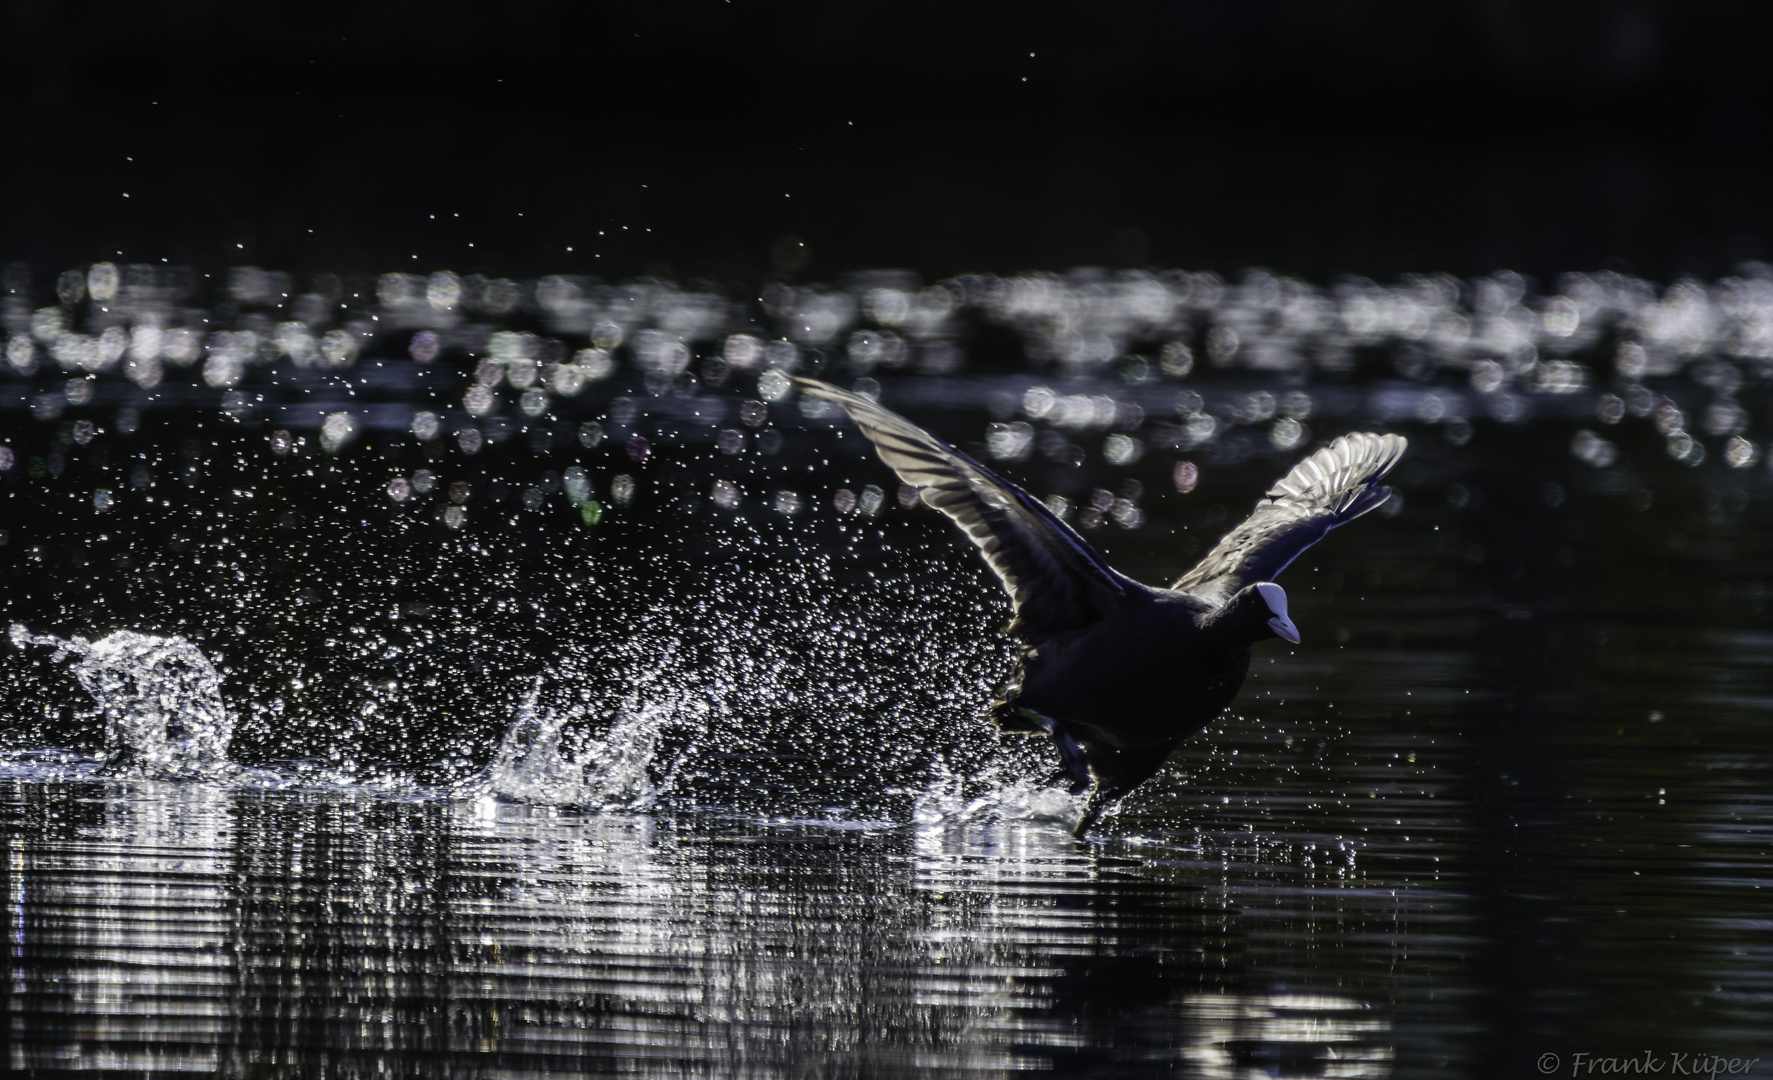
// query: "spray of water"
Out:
[161,700]
[997,792]
[534,765]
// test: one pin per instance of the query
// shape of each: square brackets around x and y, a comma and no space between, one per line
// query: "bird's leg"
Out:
[1102,800]
[1071,755]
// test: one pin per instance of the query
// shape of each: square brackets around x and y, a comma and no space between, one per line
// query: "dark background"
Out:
[1364,136]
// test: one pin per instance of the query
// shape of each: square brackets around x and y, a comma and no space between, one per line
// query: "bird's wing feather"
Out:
[1056,580]
[1331,487]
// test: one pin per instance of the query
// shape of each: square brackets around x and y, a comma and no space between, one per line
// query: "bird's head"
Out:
[1255,612]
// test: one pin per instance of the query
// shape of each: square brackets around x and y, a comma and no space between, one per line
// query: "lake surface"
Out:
[630,726]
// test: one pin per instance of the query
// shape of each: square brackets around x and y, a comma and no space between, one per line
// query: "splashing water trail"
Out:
[161,699]
[529,765]
[618,767]
[952,800]
[613,771]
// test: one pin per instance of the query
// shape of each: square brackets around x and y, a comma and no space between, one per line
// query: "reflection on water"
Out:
[176,927]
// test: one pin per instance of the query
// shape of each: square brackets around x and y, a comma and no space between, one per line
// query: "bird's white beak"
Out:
[1276,599]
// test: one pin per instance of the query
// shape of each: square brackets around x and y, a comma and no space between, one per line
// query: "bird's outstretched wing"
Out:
[1056,580]
[1331,487]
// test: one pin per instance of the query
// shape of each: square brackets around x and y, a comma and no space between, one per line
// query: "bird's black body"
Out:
[1115,672]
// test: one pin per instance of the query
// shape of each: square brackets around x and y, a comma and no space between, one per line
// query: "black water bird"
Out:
[1115,672]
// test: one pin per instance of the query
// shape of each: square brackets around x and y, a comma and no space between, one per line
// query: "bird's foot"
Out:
[1101,802]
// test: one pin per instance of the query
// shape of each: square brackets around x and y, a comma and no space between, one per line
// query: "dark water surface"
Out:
[624,771]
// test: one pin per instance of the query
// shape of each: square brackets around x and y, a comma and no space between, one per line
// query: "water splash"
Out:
[161,699]
[993,795]
[615,771]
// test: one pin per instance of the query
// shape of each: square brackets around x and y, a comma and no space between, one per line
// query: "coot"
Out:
[1117,673]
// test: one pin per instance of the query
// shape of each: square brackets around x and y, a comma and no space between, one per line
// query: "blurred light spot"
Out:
[622,489]
[282,442]
[1222,345]
[1561,316]
[111,345]
[786,502]
[424,347]
[1725,417]
[454,517]
[637,448]
[782,355]
[577,483]
[1508,408]
[1010,442]
[470,440]
[1562,377]
[425,425]
[101,500]
[1257,406]
[1610,409]
[399,489]
[1685,449]
[816,409]
[1186,476]
[743,351]
[725,494]
[443,291]
[144,371]
[534,401]
[1668,417]
[70,287]
[337,431]
[102,281]
[1176,360]
[480,400]
[1038,401]
[21,354]
[78,391]
[47,324]
[1487,376]
[459,492]
[871,500]
[773,385]
[1126,514]
[606,335]
[594,364]
[424,481]
[1122,449]
[590,434]
[1740,452]
[1591,449]
[865,349]
[730,441]
[1286,434]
